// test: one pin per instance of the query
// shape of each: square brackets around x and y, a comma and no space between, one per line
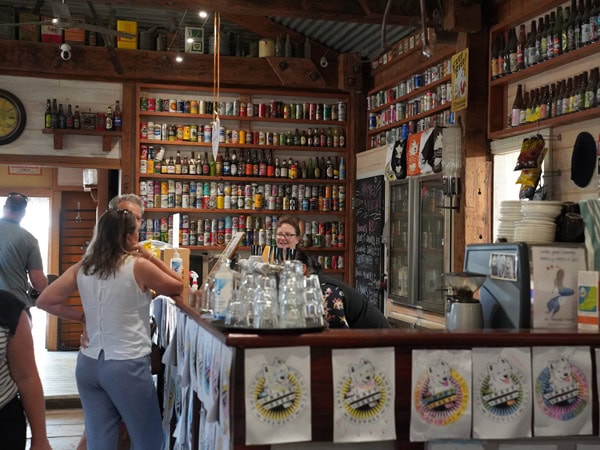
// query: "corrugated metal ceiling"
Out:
[342,37]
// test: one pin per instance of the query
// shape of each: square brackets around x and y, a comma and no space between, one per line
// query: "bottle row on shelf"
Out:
[405,87]
[274,109]
[154,161]
[553,35]
[258,231]
[311,137]
[441,119]
[250,196]
[429,100]
[556,99]
[56,117]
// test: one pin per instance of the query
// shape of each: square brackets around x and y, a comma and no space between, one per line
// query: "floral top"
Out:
[333,305]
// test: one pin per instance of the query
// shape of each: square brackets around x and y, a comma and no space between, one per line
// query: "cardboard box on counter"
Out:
[29,31]
[7,16]
[588,287]
[75,35]
[50,32]
[131,27]
[184,253]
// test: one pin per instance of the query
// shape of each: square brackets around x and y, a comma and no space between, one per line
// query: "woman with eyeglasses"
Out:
[287,237]
[115,280]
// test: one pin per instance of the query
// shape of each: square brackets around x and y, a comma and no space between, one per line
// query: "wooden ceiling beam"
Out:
[336,10]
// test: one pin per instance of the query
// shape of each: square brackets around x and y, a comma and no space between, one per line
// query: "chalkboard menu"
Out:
[368,248]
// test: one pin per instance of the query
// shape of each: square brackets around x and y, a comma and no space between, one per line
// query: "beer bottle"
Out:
[590,100]
[329,169]
[212,165]
[557,34]
[494,58]
[77,118]
[540,41]
[192,164]
[178,163]
[517,106]
[531,48]
[109,119]
[270,165]
[255,164]
[521,45]
[234,164]
[218,165]
[117,117]
[262,164]
[54,114]
[226,164]
[342,168]
[185,165]
[48,115]
[62,120]
[69,118]
[550,25]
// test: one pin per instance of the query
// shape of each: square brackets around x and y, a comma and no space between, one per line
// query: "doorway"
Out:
[37,222]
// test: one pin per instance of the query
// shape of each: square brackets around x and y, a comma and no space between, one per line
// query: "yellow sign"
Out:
[460,80]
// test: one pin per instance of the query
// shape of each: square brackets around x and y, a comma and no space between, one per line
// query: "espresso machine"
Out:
[463,310]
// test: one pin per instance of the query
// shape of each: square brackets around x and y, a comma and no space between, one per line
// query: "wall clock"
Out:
[12,117]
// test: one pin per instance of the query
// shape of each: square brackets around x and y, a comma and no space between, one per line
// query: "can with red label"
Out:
[151,104]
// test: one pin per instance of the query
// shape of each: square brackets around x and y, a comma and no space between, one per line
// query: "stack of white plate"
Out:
[538,225]
[510,214]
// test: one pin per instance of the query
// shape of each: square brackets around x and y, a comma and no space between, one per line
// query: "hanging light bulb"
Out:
[179,58]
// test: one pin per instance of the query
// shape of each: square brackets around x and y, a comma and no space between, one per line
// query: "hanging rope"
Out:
[216,83]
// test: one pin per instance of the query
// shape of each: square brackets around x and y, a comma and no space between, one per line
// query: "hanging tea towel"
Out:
[590,211]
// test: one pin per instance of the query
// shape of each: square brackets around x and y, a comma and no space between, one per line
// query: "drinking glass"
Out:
[291,296]
[315,315]
[266,307]
[236,314]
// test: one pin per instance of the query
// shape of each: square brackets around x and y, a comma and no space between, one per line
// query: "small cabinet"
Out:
[279,153]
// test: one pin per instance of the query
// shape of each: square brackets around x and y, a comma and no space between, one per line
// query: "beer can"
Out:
[236,108]
[326,111]
[173,105]
[187,131]
[193,133]
[207,134]
[201,107]
[180,106]
[143,188]
[194,106]
[151,104]
[340,262]
[144,130]
[249,109]
[341,111]
[144,103]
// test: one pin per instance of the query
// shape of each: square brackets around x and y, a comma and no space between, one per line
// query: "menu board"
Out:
[368,248]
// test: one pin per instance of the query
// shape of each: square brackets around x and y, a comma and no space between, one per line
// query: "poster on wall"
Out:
[460,80]
[363,394]
[440,395]
[502,398]
[277,392]
[562,386]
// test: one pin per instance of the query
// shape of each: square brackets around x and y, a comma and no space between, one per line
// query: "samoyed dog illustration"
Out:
[439,378]
[500,376]
[363,385]
[561,378]
[277,385]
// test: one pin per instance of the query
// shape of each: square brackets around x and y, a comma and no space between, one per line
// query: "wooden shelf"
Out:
[557,61]
[208,145]
[253,212]
[107,136]
[209,117]
[565,119]
[399,123]
[414,93]
[212,248]
[241,179]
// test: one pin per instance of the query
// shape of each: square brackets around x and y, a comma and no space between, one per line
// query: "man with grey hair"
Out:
[21,264]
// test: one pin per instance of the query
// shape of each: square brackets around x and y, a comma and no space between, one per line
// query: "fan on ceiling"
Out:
[63,19]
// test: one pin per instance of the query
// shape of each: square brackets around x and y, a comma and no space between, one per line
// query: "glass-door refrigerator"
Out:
[420,242]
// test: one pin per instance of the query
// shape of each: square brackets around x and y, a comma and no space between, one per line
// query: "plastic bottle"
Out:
[176,263]
[223,288]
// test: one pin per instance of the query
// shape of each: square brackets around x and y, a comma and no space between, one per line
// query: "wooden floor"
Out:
[64,417]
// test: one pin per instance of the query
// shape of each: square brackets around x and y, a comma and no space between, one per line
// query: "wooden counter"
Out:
[403,340]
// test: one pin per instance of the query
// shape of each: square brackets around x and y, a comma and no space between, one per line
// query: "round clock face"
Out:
[12,117]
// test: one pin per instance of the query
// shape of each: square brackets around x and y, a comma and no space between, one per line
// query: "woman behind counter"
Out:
[115,279]
[344,306]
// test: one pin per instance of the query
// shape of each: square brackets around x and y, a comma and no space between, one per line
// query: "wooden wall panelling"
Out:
[476,221]
[77,221]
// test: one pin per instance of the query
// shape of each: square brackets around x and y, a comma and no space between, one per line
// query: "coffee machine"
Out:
[463,310]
